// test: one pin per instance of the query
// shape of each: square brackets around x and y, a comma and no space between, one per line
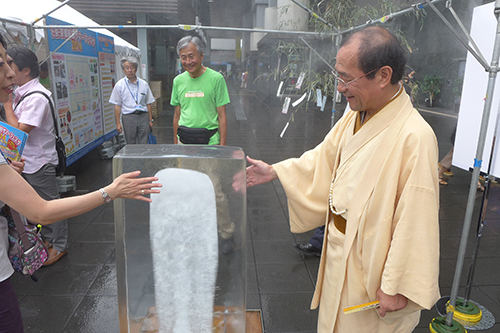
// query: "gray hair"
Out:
[131,60]
[184,41]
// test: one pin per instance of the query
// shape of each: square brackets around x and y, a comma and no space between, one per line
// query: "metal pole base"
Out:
[438,325]
[469,313]
[486,322]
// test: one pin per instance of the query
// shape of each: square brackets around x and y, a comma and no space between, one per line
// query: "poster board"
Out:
[75,81]
[107,79]
[483,30]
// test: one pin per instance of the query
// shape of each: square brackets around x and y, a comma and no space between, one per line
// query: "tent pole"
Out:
[50,12]
[65,41]
[180,26]
[493,69]
[31,37]
[315,15]
[6,20]
[469,38]
[479,58]
[4,24]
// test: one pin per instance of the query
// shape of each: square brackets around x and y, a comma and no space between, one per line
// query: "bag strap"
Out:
[21,230]
[50,103]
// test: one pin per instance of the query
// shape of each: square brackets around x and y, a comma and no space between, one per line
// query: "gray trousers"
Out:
[136,127]
[45,184]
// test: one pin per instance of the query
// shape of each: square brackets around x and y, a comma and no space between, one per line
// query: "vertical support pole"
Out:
[335,91]
[310,62]
[142,43]
[31,38]
[493,69]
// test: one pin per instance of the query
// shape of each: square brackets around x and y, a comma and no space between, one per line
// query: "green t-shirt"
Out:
[199,99]
[45,82]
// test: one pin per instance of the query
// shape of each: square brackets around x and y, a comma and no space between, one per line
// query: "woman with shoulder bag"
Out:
[18,194]
[31,111]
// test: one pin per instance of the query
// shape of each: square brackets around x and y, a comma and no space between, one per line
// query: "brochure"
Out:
[12,142]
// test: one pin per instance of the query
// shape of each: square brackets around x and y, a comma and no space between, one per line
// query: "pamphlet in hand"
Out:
[12,141]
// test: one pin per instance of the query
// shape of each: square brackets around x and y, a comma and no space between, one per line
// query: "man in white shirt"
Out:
[132,98]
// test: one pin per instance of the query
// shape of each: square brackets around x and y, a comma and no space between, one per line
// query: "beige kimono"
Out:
[385,183]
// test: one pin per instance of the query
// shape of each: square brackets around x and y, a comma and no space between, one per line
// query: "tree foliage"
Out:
[432,85]
[342,15]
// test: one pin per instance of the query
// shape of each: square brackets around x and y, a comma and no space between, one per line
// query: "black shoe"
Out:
[307,249]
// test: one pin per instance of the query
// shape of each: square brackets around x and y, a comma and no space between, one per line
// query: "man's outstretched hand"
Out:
[259,172]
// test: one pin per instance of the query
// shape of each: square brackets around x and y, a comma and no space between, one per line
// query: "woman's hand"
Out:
[18,165]
[128,186]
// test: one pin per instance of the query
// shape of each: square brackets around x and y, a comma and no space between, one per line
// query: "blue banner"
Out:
[83,42]
[105,44]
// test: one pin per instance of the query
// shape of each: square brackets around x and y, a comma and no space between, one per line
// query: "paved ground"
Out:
[78,294]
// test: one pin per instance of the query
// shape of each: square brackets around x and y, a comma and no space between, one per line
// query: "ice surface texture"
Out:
[183,230]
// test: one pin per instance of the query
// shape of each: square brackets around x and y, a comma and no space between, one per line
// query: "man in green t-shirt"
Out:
[199,96]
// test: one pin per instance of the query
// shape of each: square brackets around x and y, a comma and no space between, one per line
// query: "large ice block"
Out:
[143,296]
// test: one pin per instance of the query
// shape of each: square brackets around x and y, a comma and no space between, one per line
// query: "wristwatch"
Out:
[105,196]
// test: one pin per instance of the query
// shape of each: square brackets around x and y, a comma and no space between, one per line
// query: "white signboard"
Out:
[483,31]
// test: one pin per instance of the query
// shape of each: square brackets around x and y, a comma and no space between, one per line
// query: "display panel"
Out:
[107,79]
[75,69]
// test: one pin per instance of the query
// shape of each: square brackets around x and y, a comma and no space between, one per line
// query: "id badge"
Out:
[137,107]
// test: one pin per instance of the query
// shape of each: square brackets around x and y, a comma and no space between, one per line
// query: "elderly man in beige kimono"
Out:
[373,181]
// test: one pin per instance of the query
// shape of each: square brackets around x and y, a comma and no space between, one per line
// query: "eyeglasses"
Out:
[346,84]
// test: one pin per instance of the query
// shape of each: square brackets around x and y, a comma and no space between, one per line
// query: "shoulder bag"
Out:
[27,252]
[60,148]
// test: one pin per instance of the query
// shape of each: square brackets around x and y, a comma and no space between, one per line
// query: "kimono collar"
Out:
[361,115]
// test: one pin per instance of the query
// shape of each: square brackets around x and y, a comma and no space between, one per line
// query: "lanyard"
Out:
[136,99]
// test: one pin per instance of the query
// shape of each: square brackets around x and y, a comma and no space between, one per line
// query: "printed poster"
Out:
[107,70]
[75,73]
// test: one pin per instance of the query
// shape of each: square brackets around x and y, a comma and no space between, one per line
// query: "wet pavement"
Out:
[78,294]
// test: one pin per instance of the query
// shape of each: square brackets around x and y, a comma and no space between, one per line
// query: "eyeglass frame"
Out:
[346,84]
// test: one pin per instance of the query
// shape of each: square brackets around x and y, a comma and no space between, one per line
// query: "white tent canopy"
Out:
[28,11]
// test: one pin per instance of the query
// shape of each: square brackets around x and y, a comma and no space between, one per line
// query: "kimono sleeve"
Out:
[306,181]
[412,266]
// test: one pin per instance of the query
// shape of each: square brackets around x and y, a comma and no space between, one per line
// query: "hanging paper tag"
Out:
[284,129]
[323,103]
[297,102]
[286,104]
[279,89]
[318,97]
[338,96]
[300,80]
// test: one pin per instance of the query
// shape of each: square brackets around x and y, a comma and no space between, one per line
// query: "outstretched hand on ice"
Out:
[259,172]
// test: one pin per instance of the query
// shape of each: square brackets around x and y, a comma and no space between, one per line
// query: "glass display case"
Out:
[186,249]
